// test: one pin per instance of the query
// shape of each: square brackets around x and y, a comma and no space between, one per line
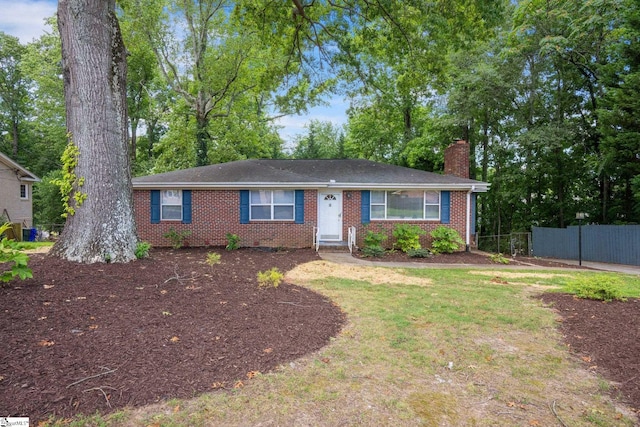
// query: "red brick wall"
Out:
[456,159]
[217,212]
[352,217]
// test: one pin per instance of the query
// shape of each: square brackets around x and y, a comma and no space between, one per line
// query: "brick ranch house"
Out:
[294,203]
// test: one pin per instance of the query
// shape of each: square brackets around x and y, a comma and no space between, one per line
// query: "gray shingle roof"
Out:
[340,173]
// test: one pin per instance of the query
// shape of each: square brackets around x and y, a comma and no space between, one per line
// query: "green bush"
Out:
[407,237]
[373,244]
[177,239]
[373,251]
[445,240]
[270,278]
[233,241]
[142,249]
[10,253]
[419,253]
[213,258]
[597,287]
[498,258]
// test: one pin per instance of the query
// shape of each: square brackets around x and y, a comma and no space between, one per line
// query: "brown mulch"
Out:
[86,338]
[606,336]
[80,338]
[473,258]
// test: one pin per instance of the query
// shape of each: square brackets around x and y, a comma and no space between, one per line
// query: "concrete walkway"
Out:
[346,258]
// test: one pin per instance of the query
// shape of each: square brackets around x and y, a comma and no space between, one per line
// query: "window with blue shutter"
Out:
[244,206]
[445,207]
[186,206]
[365,207]
[299,207]
[155,206]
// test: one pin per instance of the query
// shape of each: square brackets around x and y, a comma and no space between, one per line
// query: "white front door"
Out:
[330,215]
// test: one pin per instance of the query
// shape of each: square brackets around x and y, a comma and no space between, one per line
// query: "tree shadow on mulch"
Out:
[86,338]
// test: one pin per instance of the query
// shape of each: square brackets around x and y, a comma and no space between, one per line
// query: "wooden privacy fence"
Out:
[617,244]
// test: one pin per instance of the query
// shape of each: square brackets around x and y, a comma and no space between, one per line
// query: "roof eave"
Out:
[479,187]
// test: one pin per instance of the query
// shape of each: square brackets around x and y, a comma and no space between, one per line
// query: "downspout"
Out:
[468,233]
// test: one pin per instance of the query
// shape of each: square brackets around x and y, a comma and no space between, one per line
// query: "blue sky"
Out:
[25,20]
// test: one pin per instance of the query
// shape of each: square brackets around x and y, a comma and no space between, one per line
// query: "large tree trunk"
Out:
[94,67]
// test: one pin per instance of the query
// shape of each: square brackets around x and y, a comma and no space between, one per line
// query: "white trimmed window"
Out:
[24,191]
[171,205]
[272,205]
[405,205]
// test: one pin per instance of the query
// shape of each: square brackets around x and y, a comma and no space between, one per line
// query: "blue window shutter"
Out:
[186,206]
[365,206]
[445,207]
[155,206]
[474,205]
[244,206]
[299,207]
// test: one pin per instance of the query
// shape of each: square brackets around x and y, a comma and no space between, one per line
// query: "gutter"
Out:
[468,230]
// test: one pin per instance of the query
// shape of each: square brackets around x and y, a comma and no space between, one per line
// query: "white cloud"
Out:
[25,19]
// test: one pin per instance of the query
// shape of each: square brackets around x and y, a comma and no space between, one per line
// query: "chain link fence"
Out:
[513,244]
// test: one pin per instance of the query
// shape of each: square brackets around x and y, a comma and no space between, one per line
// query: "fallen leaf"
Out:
[164,292]
[586,359]
[223,302]
[217,385]
[267,350]
[42,318]
[93,326]
[166,313]
[252,374]
[46,303]
[511,404]
[326,360]
[174,339]
[46,343]
[238,384]
[176,409]
[534,423]
[48,286]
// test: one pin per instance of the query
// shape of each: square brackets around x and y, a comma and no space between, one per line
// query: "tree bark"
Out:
[94,69]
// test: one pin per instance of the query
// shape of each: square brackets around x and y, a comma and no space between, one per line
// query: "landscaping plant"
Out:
[597,287]
[498,258]
[373,244]
[213,258]
[233,241]
[142,249]
[407,237]
[10,253]
[445,240]
[177,239]
[270,278]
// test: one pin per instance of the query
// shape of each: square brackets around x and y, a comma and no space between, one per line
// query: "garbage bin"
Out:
[29,234]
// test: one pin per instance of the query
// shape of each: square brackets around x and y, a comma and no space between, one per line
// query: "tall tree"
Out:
[102,228]
[323,140]
[13,90]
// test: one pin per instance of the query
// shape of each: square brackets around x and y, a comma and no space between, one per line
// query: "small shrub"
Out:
[213,258]
[233,241]
[498,258]
[445,240]
[270,278]
[177,239]
[373,251]
[597,287]
[407,237]
[373,244]
[10,253]
[142,249]
[419,253]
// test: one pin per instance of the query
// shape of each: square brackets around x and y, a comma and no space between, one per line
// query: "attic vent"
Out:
[330,197]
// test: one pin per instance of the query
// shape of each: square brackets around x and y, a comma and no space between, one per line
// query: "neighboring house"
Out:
[286,203]
[16,185]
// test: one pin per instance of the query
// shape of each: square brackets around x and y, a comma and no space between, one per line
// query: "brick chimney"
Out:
[456,159]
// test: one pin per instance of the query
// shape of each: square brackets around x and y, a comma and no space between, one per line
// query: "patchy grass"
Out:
[422,347]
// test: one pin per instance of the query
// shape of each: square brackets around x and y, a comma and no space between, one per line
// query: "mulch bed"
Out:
[606,336]
[80,338]
[86,338]
[473,258]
